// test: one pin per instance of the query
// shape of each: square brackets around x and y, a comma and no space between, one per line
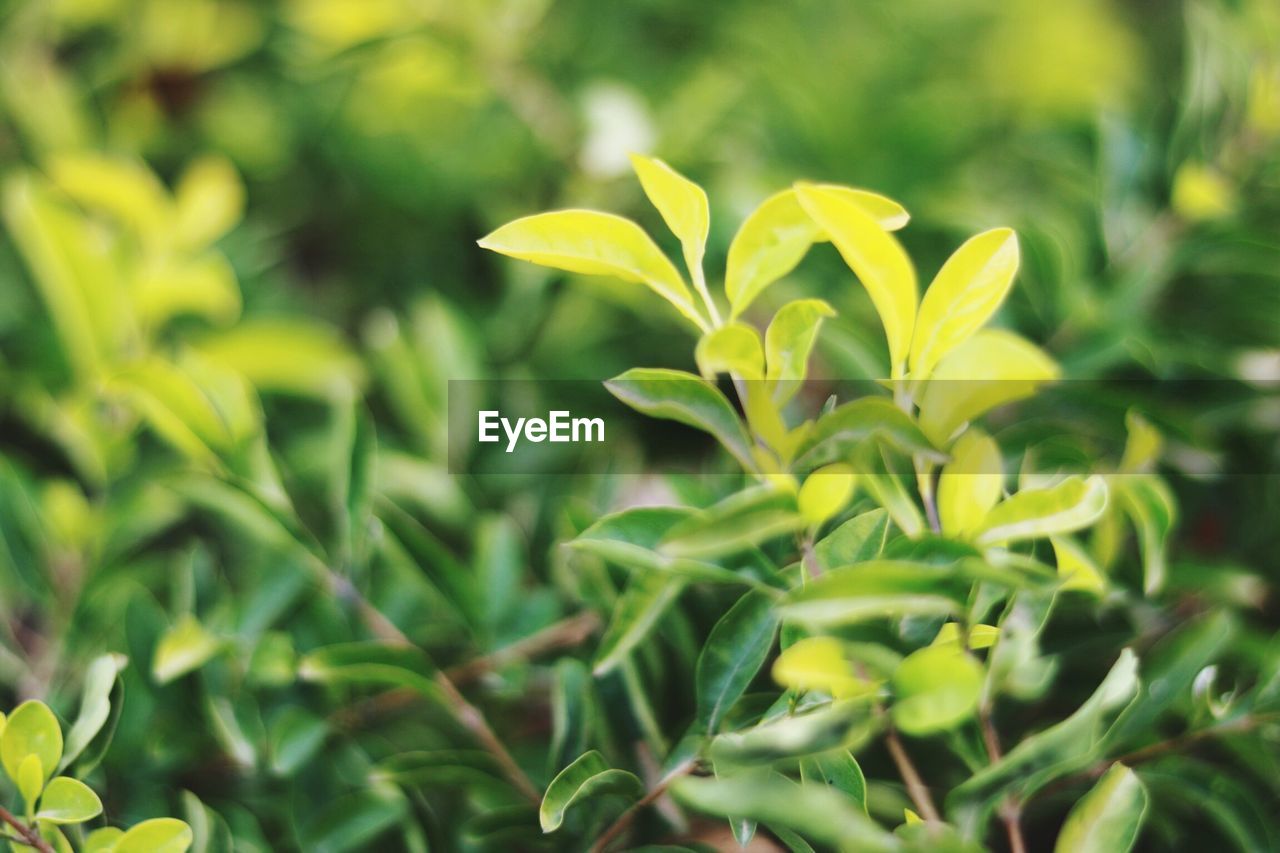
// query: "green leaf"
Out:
[935,689]
[813,811]
[291,356]
[641,604]
[572,712]
[839,770]
[30,780]
[1107,819]
[373,663]
[860,538]
[837,724]
[778,233]
[294,739]
[683,397]
[733,348]
[966,292]
[31,730]
[355,821]
[970,484]
[593,243]
[838,434]
[826,492]
[158,835]
[102,840]
[789,341]
[209,200]
[1073,504]
[1150,505]
[442,768]
[588,776]
[876,258]
[1076,568]
[732,655]
[875,589]
[67,800]
[819,663]
[739,521]
[682,203]
[95,705]
[990,369]
[184,648]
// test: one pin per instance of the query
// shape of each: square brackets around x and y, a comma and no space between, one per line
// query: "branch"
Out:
[28,835]
[1010,808]
[628,817]
[916,788]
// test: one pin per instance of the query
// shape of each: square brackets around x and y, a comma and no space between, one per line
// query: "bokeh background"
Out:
[238,267]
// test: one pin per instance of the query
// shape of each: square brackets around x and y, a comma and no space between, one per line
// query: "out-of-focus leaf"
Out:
[572,712]
[966,292]
[1107,819]
[184,648]
[935,689]
[295,736]
[1069,506]
[733,348]
[990,369]
[788,342]
[970,484]
[734,524]
[838,434]
[204,286]
[95,705]
[778,233]
[732,655]
[122,188]
[31,730]
[859,539]
[67,800]
[813,811]
[839,770]
[355,821]
[1076,567]
[1149,503]
[103,840]
[588,776]
[819,663]
[291,356]
[874,589]
[678,396]
[682,203]
[209,200]
[835,725]
[158,835]
[593,243]
[876,258]
[438,768]
[826,492]
[376,663]
[641,604]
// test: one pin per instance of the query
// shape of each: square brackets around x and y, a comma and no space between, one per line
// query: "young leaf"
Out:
[593,243]
[991,368]
[1107,819]
[645,599]
[572,712]
[732,348]
[102,840]
[970,484]
[31,730]
[876,258]
[838,434]
[860,538]
[819,663]
[732,655]
[1069,506]
[838,769]
[586,777]
[30,780]
[778,233]
[301,357]
[67,800]
[123,188]
[935,689]
[375,663]
[184,648]
[875,589]
[966,292]
[1076,568]
[95,705]
[788,342]
[210,200]
[158,835]
[741,520]
[835,724]
[682,203]
[825,492]
[683,397]
[1150,505]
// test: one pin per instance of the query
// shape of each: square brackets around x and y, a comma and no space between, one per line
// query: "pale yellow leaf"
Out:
[970,484]
[734,348]
[682,203]
[210,200]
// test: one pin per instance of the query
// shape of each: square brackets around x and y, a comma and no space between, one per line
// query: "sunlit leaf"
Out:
[158,835]
[875,589]
[970,484]
[95,705]
[592,243]
[935,689]
[788,342]
[121,187]
[185,647]
[209,200]
[826,492]
[1149,503]
[819,663]
[291,356]
[588,776]
[733,348]
[682,203]
[838,434]
[67,800]
[830,726]
[1076,567]
[31,730]
[1073,504]
[1108,818]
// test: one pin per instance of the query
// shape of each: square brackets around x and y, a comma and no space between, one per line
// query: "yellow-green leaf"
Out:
[30,780]
[935,689]
[966,292]
[778,233]
[594,243]
[980,636]
[788,342]
[210,201]
[121,187]
[1076,568]
[825,492]
[733,348]
[158,835]
[1073,504]
[1108,818]
[32,730]
[682,203]
[1142,446]
[970,484]
[185,647]
[876,258]
[103,840]
[67,800]
[287,355]
[990,369]
[818,663]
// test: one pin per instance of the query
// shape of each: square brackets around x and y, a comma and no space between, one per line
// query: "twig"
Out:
[1010,808]
[29,835]
[915,785]
[628,817]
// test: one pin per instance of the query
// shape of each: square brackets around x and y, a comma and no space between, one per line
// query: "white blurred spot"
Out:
[618,124]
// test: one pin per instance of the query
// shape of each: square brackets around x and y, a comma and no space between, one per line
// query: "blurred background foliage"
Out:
[239,267]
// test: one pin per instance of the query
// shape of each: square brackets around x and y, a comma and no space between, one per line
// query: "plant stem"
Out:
[916,788]
[924,481]
[700,284]
[28,834]
[1010,809]
[628,817]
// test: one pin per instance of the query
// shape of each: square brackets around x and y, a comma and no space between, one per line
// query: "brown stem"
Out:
[28,835]
[916,788]
[628,817]
[1010,810]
